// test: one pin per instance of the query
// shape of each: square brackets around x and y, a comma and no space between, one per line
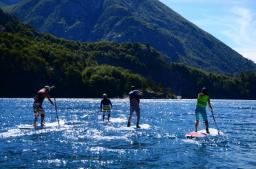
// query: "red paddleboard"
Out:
[194,134]
[202,133]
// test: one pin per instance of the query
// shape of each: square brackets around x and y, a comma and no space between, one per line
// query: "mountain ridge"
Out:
[145,21]
[4,3]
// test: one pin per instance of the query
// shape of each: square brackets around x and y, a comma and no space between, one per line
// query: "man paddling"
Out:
[105,106]
[202,101]
[134,96]
[38,101]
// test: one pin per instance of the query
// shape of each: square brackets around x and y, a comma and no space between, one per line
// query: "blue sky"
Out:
[231,21]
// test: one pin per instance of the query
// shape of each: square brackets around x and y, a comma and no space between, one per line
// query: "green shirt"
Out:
[202,101]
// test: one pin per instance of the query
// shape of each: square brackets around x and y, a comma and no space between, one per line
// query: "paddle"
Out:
[215,122]
[56,111]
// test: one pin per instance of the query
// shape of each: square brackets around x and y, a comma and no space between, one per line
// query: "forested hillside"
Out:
[29,60]
[133,21]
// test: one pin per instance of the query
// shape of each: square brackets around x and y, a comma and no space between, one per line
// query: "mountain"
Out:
[144,21]
[8,2]
[29,60]
[2,4]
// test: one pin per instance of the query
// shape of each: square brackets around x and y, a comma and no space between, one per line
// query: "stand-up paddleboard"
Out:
[30,127]
[48,125]
[142,126]
[202,133]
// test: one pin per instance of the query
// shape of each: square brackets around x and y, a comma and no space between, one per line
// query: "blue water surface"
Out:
[84,141]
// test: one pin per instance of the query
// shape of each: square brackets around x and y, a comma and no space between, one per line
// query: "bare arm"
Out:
[209,103]
[48,97]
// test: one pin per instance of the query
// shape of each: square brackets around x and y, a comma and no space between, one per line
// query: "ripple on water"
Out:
[84,141]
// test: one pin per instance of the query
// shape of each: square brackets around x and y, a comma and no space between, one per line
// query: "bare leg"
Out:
[42,120]
[108,116]
[196,125]
[207,126]
[129,119]
[138,118]
[35,120]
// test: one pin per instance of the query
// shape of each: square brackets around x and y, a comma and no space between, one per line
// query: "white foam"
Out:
[84,116]
[11,133]
[101,149]
[56,162]
[190,141]
[92,132]
[99,117]
[110,138]
[98,135]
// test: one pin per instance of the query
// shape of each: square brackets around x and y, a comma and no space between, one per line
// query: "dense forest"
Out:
[29,60]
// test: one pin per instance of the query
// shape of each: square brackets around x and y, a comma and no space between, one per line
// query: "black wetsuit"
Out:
[134,100]
[105,102]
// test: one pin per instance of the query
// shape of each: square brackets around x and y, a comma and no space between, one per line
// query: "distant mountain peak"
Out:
[143,21]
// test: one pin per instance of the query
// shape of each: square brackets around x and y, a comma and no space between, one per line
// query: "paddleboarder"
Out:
[202,101]
[105,106]
[134,96]
[38,101]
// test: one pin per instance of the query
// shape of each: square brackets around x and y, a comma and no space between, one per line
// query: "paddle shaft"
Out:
[215,122]
[56,111]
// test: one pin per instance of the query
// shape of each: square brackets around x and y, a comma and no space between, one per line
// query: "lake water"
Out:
[84,141]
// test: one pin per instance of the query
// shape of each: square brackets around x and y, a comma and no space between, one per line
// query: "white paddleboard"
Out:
[142,126]
[30,127]
[203,133]
[26,127]
[46,126]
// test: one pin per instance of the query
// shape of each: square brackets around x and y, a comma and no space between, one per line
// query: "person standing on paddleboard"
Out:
[38,101]
[105,106]
[202,101]
[134,96]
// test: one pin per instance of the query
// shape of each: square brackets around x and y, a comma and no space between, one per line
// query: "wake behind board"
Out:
[202,133]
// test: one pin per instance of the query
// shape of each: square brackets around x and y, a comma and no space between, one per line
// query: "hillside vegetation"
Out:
[29,60]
